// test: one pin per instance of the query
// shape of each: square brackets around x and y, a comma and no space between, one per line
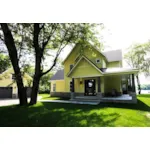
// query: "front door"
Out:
[90,87]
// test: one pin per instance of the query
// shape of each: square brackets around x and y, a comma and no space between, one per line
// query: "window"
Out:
[54,87]
[98,60]
[71,66]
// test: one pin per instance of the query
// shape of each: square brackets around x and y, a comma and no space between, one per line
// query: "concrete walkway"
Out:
[69,102]
[7,102]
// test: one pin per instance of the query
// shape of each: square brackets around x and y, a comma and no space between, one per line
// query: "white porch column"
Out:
[133,93]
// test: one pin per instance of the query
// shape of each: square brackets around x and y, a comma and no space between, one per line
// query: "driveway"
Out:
[7,102]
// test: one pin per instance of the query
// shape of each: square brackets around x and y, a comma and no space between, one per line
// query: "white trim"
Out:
[69,54]
[87,61]
[123,72]
[58,80]
[77,77]
[77,57]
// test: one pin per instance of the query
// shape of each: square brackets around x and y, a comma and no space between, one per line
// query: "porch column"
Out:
[72,89]
[99,85]
[99,94]
[133,94]
[133,83]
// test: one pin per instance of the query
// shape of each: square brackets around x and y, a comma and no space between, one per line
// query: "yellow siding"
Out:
[91,54]
[6,80]
[84,69]
[60,85]
[112,82]
[115,64]
[8,83]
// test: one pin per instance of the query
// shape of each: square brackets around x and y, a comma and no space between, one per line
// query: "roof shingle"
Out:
[59,75]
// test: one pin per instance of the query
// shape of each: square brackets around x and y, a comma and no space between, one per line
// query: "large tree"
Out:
[137,58]
[41,40]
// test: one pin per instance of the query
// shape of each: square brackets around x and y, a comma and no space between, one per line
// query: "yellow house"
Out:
[90,74]
[8,86]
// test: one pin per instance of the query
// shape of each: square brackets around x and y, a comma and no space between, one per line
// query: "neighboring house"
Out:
[8,86]
[91,74]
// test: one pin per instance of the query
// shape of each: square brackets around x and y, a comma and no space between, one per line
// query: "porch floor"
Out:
[122,97]
[126,98]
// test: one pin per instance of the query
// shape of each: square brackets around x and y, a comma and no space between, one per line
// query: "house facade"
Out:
[90,73]
[8,86]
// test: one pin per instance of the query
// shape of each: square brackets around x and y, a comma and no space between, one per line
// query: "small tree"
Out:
[136,58]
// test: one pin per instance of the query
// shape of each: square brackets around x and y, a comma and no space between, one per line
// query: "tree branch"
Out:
[55,60]
[48,38]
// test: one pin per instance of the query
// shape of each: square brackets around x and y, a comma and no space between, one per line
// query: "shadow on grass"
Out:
[46,114]
[55,115]
[54,98]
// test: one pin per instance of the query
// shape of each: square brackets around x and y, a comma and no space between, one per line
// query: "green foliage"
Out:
[45,83]
[136,57]
[4,62]
[145,87]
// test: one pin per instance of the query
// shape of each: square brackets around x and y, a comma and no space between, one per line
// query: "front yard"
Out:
[66,115]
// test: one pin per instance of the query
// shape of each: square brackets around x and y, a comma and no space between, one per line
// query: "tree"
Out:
[41,40]
[45,83]
[12,50]
[136,58]
[4,62]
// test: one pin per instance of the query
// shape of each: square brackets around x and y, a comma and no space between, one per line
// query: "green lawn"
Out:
[64,115]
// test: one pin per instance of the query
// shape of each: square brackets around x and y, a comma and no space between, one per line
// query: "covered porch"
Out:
[107,88]
[90,83]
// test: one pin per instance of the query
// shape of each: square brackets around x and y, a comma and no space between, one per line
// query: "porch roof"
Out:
[119,71]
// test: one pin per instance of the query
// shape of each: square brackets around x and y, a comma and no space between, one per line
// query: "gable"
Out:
[84,68]
[6,78]
[87,50]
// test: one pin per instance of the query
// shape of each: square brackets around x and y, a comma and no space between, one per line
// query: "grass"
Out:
[73,115]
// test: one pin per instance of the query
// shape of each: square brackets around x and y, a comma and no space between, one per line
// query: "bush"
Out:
[44,89]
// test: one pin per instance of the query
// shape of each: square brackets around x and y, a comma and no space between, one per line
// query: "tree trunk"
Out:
[9,41]
[36,81]
[35,89]
[139,86]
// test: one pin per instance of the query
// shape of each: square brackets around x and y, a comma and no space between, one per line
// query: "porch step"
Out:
[87,97]
[118,101]
[85,100]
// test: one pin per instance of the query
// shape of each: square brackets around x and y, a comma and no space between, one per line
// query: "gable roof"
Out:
[113,55]
[84,57]
[78,44]
[11,71]
[59,75]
